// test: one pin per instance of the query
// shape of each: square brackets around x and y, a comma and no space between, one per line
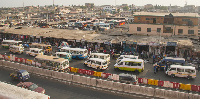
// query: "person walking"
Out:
[154,67]
[154,57]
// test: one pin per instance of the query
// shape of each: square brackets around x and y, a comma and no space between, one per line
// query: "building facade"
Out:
[164,24]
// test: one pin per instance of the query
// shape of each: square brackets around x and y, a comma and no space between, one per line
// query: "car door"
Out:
[126,66]
[133,66]
[180,72]
[93,64]
[121,65]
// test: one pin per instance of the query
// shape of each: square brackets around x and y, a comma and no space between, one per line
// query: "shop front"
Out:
[171,49]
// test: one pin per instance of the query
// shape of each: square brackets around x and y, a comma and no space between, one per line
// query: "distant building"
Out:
[148,6]
[109,8]
[89,5]
[164,23]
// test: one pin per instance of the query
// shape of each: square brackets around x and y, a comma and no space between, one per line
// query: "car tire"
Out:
[136,71]
[117,69]
[172,75]
[98,69]
[189,77]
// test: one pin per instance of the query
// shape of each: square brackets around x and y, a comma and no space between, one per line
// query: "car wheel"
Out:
[136,71]
[172,75]
[98,69]
[117,69]
[189,77]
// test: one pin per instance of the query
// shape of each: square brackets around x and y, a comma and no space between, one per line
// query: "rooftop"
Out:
[163,14]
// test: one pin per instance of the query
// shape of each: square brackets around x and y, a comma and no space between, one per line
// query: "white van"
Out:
[128,64]
[100,56]
[181,71]
[96,63]
[35,51]
[16,49]
[126,56]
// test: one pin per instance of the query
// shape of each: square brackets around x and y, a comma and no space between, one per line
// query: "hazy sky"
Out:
[19,3]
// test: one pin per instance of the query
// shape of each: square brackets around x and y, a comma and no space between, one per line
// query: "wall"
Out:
[185,30]
[133,29]
[159,19]
[179,20]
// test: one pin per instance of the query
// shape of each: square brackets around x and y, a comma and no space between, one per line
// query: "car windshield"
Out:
[32,87]
[25,73]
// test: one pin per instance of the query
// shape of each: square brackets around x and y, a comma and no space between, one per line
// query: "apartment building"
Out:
[165,24]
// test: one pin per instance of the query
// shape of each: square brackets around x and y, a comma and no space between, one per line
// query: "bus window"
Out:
[126,63]
[102,57]
[99,63]
[138,64]
[105,63]
[121,63]
[172,69]
[180,70]
[81,52]
[95,56]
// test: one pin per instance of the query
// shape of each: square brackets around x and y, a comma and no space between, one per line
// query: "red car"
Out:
[31,86]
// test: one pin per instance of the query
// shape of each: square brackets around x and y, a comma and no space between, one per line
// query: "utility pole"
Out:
[53,2]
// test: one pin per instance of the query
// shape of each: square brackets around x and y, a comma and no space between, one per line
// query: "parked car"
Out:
[21,75]
[31,86]
[128,78]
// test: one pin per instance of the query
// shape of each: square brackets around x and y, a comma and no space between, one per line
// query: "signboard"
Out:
[141,43]
[107,43]
[77,40]
[123,41]
[129,42]
[171,44]
[153,44]
[134,42]
[71,40]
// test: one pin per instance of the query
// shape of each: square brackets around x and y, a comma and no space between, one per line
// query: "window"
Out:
[186,20]
[180,70]
[138,18]
[102,57]
[121,63]
[168,28]
[138,28]
[172,69]
[180,31]
[159,30]
[190,31]
[126,63]
[148,29]
[148,19]
[95,56]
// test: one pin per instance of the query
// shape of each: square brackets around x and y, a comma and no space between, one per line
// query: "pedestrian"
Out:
[167,65]
[104,51]
[154,57]
[154,67]
[142,54]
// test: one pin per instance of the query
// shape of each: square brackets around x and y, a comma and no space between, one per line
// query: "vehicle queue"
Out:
[99,61]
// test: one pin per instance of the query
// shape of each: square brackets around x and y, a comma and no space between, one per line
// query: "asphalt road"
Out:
[58,90]
[148,72]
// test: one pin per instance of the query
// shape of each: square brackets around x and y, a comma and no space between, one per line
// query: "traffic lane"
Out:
[5,51]
[148,71]
[58,90]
